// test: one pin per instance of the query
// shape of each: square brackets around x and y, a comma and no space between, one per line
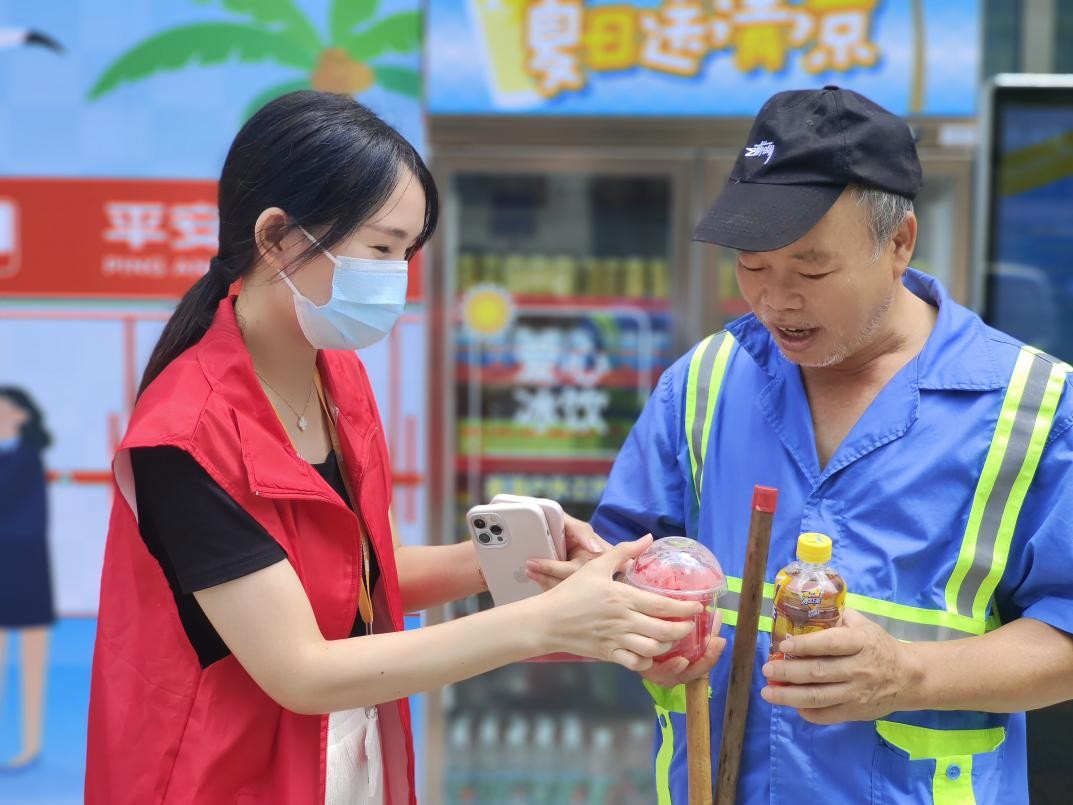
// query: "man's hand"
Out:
[853,672]
[678,671]
[582,545]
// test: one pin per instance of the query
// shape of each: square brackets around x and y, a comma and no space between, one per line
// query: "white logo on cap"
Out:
[764,148]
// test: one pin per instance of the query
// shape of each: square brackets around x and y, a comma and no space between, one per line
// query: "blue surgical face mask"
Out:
[368,296]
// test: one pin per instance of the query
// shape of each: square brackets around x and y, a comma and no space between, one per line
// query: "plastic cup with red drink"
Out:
[683,569]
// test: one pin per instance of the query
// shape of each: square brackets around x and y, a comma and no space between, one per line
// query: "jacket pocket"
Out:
[944,767]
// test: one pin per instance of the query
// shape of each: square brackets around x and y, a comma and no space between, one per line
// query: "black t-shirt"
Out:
[202,537]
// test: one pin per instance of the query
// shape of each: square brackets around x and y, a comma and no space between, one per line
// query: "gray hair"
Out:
[886,212]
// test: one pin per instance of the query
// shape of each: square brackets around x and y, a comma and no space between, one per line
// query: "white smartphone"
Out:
[506,535]
[553,513]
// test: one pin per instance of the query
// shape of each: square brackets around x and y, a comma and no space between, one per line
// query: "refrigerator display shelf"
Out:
[514,463]
[491,436]
[497,377]
[596,303]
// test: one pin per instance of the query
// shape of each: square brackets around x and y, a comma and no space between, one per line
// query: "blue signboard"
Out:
[694,58]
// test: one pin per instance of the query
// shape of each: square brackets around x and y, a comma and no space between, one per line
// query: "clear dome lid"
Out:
[678,565]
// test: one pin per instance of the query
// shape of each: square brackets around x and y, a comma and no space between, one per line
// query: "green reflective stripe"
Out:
[734,586]
[692,384]
[951,784]
[1025,420]
[730,618]
[1015,475]
[924,743]
[1065,367]
[915,624]
[707,368]
[988,478]
[664,756]
[719,371]
[910,624]
[1041,429]
[672,699]
[730,601]
[994,618]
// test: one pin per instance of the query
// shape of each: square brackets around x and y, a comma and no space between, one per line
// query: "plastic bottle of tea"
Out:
[809,593]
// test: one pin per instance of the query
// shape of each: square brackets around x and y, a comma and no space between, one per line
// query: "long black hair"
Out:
[324,159]
[33,429]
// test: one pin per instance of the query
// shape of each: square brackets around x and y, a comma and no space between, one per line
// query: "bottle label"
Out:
[811,600]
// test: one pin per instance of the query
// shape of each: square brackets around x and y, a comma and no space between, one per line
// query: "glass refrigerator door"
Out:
[562,325]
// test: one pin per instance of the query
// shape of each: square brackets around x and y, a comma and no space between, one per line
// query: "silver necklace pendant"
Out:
[303,423]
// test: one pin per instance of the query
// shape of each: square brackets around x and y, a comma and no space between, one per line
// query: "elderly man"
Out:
[935,451]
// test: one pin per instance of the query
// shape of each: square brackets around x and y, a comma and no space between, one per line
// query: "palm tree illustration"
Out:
[278,31]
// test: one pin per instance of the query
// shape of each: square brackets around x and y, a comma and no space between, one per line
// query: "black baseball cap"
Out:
[804,148]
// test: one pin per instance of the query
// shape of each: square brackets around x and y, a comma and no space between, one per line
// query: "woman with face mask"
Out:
[250,645]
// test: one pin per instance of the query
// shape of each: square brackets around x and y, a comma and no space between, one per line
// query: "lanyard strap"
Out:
[365,598]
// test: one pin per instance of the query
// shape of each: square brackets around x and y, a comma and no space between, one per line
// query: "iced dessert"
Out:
[681,568]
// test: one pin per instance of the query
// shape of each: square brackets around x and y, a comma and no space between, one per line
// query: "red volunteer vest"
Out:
[162,729]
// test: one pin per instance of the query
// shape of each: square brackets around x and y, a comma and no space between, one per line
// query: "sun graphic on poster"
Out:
[487,310]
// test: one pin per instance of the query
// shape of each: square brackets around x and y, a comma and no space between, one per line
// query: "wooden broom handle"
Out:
[699,742]
[743,658]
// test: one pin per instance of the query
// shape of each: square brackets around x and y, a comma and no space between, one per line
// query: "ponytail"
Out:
[191,319]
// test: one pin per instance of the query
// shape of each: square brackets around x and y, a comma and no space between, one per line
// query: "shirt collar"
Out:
[957,355]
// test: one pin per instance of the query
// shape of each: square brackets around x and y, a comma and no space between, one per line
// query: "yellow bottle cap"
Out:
[814,548]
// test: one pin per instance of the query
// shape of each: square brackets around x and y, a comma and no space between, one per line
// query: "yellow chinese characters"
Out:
[565,39]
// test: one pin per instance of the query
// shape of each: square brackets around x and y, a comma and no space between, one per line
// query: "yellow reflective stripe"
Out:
[718,373]
[729,610]
[664,756]
[995,453]
[730,618]
[937,618]
[904,622]
[667,701]
[734,586]
[994,618]
[691,400]
[1040,431]
[1065,367]
[672,699]
[924,743]
[951,784]
[1025,419]
[707,368]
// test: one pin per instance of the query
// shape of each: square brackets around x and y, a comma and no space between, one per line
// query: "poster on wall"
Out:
[115,122]
[115,118]
[697,57]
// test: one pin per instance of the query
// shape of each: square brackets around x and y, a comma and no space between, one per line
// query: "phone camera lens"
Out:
[479,523]
[497,530]
[484,538]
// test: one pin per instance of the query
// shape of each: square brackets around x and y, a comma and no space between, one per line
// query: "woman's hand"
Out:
[582,546]
[592,615]
[678,670]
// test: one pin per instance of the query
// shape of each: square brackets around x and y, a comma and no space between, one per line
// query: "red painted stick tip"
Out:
[765,498]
